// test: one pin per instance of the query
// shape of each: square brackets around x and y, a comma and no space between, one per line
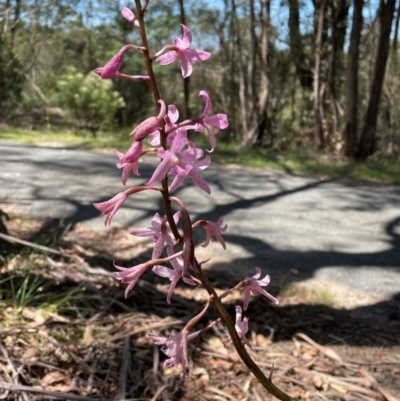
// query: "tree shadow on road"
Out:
[235,186]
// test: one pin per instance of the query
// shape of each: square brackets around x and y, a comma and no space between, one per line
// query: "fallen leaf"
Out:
[29,353]
[338,388]
[87,336]
[52,377]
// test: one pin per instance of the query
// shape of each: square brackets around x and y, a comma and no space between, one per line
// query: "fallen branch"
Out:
[15,240]
[53,394]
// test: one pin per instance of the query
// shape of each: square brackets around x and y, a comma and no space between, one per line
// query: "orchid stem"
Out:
[246,358]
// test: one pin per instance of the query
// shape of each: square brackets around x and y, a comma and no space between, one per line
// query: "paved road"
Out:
[342,234]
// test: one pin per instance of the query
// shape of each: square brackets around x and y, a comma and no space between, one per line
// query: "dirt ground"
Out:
[66,331]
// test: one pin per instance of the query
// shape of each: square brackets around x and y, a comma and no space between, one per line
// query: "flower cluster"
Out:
[166,137]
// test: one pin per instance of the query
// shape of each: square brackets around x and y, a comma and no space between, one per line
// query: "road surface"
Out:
[341,234]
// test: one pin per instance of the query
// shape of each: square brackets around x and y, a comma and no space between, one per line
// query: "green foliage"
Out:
[88,99]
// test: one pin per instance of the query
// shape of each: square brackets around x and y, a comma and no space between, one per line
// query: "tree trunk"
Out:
[339,13]
[251,78]
[317,105]
[299,58]
[366,146]
[258,115]
[350,129]
[241,71]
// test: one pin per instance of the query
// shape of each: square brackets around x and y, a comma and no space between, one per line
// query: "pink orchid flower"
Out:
[178,272]
[159,233]
[110,207]
[111,69]
[150,124]
[129,161]
[175,347]
[129,275]
[181,50]
[130,16]
[254,285]
[241,326]
[214,230]
[181,163]
[205,121]
[170,119]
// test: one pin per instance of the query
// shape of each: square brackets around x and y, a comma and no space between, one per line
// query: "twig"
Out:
[15,240]
[257,396]
[374,384]
[77,360]
[155,326]
[90,381]
[330,353]
[53,394]
[123,374]
[73,385]
[220,392]
[13,369]
[159,391]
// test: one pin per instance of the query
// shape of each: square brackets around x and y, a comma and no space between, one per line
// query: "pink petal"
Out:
[167,58]
[265,281]
[211,136]
[208,104]
[128,14]
[133,153]
[196,55]
[174,282]
[200,182]
[186,66]
[218,121]
[163,271]
[127,170]
[188,280]
[173,113]
[267,295]
[158,248]
[142,232]
[160,172]
[203,164]
[112,67]
[176,183]
[156,138]
[246,298]
[187,37]
[180,140]
[258,274]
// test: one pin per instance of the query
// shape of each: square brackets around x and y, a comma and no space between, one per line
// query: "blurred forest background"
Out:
[290,74]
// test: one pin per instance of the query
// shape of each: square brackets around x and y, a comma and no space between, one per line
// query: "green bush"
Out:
[88,100]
